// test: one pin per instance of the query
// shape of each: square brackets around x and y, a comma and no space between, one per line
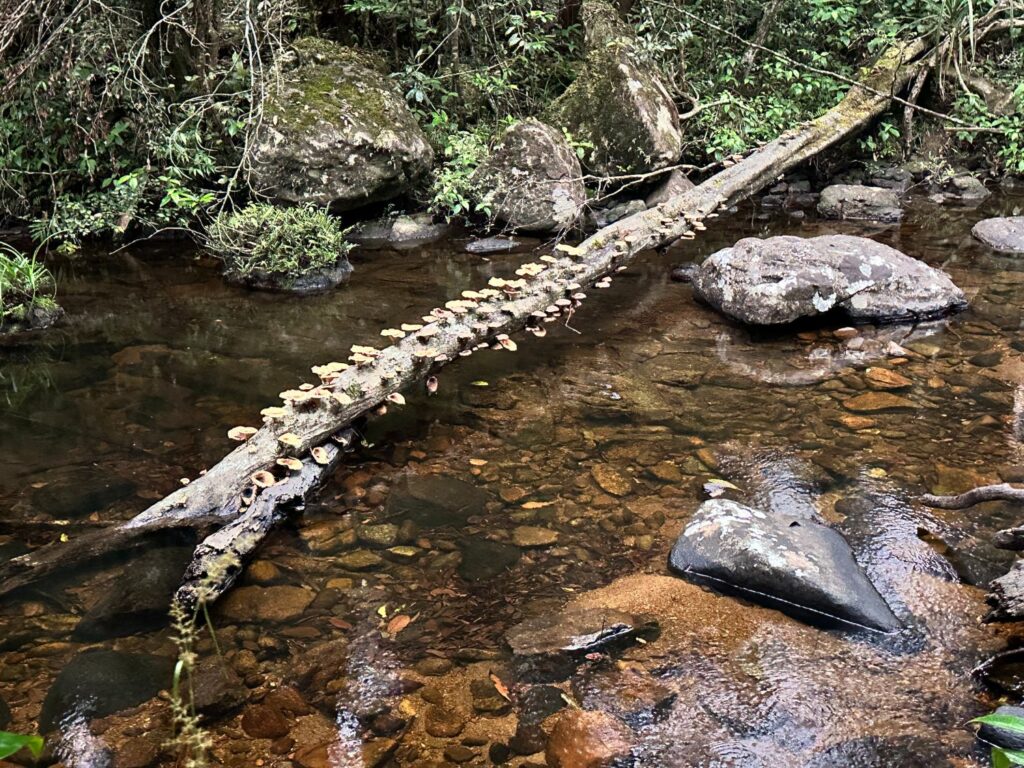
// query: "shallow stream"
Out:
[371,629]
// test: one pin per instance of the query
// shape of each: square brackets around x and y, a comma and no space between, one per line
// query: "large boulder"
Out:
[617,104]
[1004,234]
[335,132]
[532,179]
[781,279]
[852,201]
[793,563]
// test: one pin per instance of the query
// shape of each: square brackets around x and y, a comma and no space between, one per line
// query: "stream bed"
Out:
[372,629]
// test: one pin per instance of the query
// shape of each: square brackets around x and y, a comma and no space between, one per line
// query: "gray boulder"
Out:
[791,563]
[532,179]
[852,201]
[674,184]
[617,103]
[335,132]
[1003,234]
[781,279]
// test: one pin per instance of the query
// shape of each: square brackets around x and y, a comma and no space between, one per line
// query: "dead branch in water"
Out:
[541,293]
[1000,492]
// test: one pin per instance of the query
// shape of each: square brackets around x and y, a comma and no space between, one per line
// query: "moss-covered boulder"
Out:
[532,179]
[335,132]
[617,104]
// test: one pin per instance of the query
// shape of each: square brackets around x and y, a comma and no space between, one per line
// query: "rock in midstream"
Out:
[853,201]
[779,280]
[792,563]
[1003,234]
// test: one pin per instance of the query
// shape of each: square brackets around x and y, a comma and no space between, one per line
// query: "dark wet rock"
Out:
[96,683]
[139,752]
[499,753]
[310,283]
[432,666]
[674,184]
[261,721]
[37,318]
[531,179]
[433,501]
[484,559]
[684,273]
[71,492]
[629,693]
[782,279]
[573,630]
[216,688]
[444,723]
[538,702]
[852,201]
[138,598]
[528,739]
[487,245]
[336,132]
[899,180]
[380,535]
[988,359]
[486,699]
[581,739]
[617,103]
[796,565]
[265,604]
[530,536]
[5,714]
[964,188]
[399,232]
[459,754]
[602,217]
[1003,234]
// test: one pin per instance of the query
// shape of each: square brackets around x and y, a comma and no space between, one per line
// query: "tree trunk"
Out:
[219,493]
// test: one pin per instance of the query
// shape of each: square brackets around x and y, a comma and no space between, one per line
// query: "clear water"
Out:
[159,358]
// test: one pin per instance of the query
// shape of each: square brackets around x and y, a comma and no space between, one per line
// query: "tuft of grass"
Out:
[25,284]
[263,240]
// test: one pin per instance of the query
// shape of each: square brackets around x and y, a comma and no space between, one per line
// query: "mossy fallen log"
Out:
[538,294]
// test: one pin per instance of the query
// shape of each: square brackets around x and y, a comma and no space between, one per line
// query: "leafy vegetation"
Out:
[1001,757]
[15,742]
[263,240]
[148,119]
[25,284]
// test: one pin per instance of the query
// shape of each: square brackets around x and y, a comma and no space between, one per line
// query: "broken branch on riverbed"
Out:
[541,294]
[979,495]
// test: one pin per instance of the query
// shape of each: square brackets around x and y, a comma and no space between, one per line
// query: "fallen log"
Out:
[542,293]
[1000,492]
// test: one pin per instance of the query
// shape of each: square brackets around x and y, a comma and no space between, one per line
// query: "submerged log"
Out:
[1000,492]
[546,291]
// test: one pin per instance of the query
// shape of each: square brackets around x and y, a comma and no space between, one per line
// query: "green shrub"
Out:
[25,284]
[263,240]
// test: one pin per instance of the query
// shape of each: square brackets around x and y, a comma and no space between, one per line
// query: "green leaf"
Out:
[14,742]
[1009,722]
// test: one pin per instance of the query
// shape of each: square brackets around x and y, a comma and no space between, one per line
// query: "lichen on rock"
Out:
[532,179]
[617,104]
[335,132]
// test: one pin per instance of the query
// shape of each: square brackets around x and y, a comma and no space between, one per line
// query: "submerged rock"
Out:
[435,500]
[265,604]
[96,683]
[138,598]
[399,232]
[573,630]
[487,245]
[581,739]
[791,563]
[852,201]
[532,180]
[782,279]
[336,133]
[617,103]
[1004,233]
